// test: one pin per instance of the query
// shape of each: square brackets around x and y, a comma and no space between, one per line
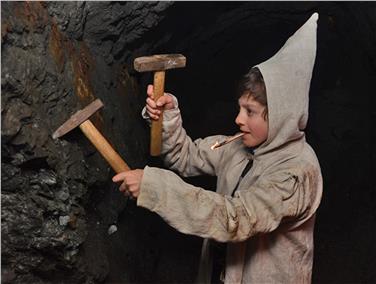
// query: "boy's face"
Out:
[251,121]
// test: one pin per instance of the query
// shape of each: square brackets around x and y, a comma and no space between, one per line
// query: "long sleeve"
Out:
[180,153]
[193,210]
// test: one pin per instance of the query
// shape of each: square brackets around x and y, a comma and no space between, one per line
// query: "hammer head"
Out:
[78,118]
[159,62]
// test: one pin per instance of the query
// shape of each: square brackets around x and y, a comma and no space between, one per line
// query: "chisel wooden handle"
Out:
[101,144]
[156,125]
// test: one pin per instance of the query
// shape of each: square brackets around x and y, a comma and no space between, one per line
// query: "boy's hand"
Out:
[130,182]
[153,108]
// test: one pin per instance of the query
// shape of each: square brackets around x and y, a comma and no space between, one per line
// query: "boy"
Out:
[269,184]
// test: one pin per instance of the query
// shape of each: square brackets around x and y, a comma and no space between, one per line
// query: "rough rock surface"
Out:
[63,220]
[57,197]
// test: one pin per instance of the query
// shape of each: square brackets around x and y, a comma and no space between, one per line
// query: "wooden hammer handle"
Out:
[156,125]
[101,144]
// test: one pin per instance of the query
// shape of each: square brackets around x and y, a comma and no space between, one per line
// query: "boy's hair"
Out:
[252,85]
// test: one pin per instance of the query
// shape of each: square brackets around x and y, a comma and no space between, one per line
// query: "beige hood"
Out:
[287,77]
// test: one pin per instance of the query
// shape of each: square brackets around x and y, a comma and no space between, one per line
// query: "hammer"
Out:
[81,119]
[158,63]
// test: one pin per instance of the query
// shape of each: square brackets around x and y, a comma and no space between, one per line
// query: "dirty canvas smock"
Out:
[265,199]
[268,223]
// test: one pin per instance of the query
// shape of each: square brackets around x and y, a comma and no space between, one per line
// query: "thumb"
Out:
[118,177]
[165,99]
[161,101]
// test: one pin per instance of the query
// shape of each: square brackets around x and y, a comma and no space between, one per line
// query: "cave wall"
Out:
[64,221]
[58,200]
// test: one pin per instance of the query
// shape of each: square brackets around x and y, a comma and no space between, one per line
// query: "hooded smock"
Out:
[268,222]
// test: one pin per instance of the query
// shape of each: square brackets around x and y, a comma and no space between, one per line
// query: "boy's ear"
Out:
[265,114]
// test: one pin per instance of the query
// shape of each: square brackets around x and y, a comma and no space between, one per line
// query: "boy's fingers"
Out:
[152,110]
[150,90]
[153,116]
[162,101]
[118,177]
[150,102]
[165,101]
[123,187]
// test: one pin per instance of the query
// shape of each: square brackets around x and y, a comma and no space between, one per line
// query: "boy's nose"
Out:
[238,120]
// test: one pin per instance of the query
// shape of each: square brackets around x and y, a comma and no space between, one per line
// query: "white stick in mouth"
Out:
[226,141]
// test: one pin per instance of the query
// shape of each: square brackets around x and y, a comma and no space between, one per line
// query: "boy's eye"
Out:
[249,112]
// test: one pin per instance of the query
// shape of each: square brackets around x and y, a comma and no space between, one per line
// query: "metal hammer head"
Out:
[159,62]
[78,118]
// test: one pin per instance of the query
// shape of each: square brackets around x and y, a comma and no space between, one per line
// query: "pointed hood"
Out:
[287,77]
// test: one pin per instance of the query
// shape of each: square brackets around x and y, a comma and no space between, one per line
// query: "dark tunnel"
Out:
[62,218]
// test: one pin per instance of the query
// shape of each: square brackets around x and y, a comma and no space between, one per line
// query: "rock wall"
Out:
[64,221]
[58,200]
